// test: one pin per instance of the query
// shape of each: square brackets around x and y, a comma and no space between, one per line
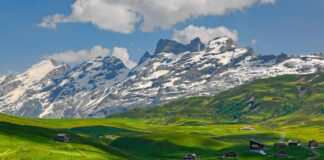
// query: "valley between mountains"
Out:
[205,99]
[161,80]
[208,126]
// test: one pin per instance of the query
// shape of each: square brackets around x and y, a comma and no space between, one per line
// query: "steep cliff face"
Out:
[171,46]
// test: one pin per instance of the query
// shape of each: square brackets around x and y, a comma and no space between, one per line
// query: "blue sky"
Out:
[293,27]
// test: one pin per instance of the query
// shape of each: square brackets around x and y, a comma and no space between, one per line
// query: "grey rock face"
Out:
[171,46]
[145,57]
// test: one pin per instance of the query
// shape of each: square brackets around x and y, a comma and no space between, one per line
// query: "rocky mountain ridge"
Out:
[104,86]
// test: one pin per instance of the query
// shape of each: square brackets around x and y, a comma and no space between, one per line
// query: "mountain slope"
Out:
[104,86]
[221,66]
[47,85]
[82,88]
[208,126]
[282,98]
[16,90]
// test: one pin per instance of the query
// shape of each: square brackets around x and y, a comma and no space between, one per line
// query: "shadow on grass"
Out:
[153,149]
[46,136]
[104,130]
[244,138]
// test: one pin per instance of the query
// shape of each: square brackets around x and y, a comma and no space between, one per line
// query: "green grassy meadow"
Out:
[207,126]
[124,138]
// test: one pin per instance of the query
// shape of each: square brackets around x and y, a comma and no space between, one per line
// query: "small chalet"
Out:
[313,144]
[246,128]
[62,137]
[256,146]
[281,154]
[294,143]
[279,145]
[230,155]
[190,157]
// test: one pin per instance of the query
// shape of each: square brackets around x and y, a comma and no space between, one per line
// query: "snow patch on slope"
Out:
[29,78]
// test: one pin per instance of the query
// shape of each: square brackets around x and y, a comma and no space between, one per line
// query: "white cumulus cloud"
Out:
[205,34]
[73,57]
[51,21]
[123,15]
[106,15]
[122,54]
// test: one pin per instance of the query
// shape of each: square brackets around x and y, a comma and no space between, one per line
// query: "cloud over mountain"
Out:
[97,51]
[124,15]
[123,55]
[205,34]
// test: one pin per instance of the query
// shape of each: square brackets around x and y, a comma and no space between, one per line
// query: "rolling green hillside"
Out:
[143,139]
[207,126]
[282,97]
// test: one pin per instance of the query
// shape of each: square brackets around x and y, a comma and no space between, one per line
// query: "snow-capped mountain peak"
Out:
[221,44]
[97,72]
[221,40]
[17,85]
[103,86]
[38,71]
